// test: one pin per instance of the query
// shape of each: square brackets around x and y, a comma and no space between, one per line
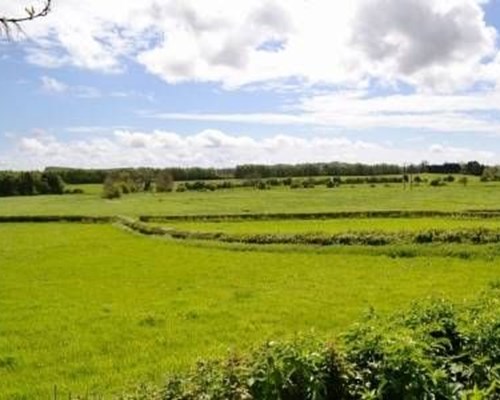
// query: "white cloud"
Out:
[427,42]
[216,148]
[52,85]
[356,110]
[434,45]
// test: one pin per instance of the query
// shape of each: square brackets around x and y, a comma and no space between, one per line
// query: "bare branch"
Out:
[6,23]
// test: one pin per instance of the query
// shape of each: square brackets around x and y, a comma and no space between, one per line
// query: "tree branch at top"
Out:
[7,22]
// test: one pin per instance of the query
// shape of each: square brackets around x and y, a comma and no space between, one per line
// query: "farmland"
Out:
[97,308]
[454,197]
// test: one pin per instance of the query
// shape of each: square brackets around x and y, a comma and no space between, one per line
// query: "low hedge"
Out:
[369,238]
[325,215]
[435,350]
[54,218]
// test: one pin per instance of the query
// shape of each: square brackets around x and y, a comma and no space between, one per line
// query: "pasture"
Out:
[453,197]
[96,308]
[291,226]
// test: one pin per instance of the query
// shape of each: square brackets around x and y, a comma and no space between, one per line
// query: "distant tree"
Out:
[164,181]
[9,22]
[111,189]
[473,168]
[491,174]
[54,183]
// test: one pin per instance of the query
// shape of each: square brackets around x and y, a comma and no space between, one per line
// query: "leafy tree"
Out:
[164,181]
[111,189]
[490,174]
[473,168]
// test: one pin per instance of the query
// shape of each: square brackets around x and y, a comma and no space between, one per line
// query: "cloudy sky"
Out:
[196,82]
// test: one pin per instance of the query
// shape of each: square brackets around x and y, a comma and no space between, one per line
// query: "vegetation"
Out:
[256,172]
[491,174]
[164,182]
[92,307]
[451,198]
[355,222]
[30,183]
[129,308]
[434,350]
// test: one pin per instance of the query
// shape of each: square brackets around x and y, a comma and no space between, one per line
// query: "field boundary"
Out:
[56,218]
[474,236]
[325,215]
[479,214]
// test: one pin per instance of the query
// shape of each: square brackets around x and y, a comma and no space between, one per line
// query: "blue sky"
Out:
[176,82]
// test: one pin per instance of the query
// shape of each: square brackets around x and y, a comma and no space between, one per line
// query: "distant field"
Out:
[93,307]
[361,197]
[334,225]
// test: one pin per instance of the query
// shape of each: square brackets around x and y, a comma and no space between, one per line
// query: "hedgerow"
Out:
[325,215]
[434,350]
[373,238]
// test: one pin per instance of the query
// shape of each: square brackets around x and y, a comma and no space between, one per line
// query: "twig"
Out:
[7,23]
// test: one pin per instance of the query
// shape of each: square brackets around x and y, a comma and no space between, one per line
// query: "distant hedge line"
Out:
[55,218]
[325,215]
[435,350]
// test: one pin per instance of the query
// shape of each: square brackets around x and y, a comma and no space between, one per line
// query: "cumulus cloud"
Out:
[438,45]
[216,148]
[416,39]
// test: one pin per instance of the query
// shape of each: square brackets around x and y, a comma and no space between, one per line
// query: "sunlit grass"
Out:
[361,197]
[93,307]
[334,225]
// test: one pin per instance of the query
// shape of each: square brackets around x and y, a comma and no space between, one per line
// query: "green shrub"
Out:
[111,191]
[434,350]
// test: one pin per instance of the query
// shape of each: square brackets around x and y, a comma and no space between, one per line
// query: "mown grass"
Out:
[334,225]
[453,197]
[95,308]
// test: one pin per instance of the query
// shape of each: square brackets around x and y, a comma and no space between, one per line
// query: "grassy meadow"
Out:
[96,308]
[333,225]
[453,197]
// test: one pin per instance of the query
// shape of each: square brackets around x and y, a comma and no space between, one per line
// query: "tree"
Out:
[164,181]
[7,23]
[111,190]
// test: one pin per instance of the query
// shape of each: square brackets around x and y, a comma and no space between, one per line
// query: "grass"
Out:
[95,308]
[453,197]
[333,225]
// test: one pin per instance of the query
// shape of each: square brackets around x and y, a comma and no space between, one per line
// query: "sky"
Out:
[218,83]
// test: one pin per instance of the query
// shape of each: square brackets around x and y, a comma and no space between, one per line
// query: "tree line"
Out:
[256,171]
[30,183]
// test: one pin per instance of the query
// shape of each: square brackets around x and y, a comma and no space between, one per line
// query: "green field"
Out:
[92,307]
[96,308]
[360,198]
[333,225]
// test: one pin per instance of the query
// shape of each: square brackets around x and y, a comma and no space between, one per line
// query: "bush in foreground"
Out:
[436,350]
